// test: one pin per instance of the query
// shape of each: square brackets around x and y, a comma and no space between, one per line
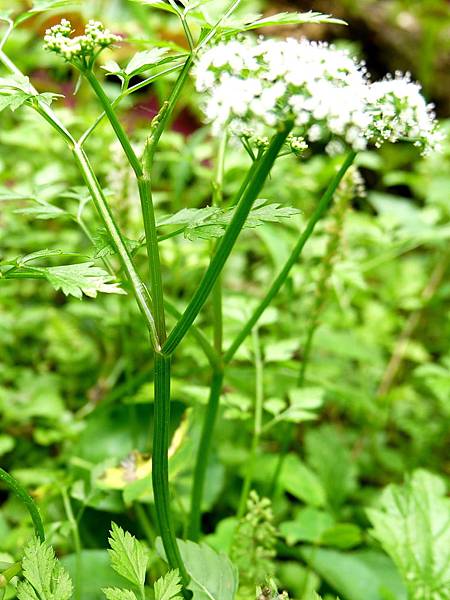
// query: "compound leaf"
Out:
[78,279]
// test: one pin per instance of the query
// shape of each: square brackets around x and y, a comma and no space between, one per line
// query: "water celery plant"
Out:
[251,91]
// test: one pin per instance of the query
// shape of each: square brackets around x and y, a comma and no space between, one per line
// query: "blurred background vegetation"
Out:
[74,376]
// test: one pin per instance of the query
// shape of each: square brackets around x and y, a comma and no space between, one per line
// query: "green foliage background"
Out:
[75,375]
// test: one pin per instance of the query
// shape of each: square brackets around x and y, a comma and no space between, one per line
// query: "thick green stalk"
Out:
[23,495]
[160,464]
[203,455]
[219,259]
[318,213]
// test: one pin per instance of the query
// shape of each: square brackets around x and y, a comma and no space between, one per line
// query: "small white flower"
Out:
[323,91]
[82,49]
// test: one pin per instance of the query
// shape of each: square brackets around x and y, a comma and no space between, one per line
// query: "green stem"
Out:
[6,576]
[203,451]
[162,119]
[318,213]
[160,470]
[24,496]
[139,289]
[257,428]
[77,542]
[145,524]
[219,259]
[115,123]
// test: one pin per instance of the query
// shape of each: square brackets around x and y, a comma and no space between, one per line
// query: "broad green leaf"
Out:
[118,594]
[44,575]
[297,479]
[84,278]
[129,558]
[97,573]
[331,459]
[308,526]
[213,576]
[342,535]
[413,526]
[365,575]
[168,587]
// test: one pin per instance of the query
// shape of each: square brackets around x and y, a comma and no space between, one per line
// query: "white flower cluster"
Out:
[259,84]
[80,50]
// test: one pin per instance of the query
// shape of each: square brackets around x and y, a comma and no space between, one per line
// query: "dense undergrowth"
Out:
[323,428]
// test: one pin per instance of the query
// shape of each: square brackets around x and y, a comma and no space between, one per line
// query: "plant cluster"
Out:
[285,385]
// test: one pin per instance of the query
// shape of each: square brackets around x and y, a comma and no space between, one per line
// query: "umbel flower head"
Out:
[259,84]
[80,50]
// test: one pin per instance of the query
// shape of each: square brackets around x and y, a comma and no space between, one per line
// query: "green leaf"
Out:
[118,594]
[213,576]
[129,557]
[15,91]
[297,479]
[44,575]
[141,61]
[329,456]
[42,210]
[292,18]
[43,5]
[211,222]
[161,4]
[308,526]
[168,587]
[104,247]
[364,575]
[84,278]
[413,526]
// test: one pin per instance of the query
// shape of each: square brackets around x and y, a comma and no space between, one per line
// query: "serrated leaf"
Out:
[42,210]
[168,587]
[211,222]
[292,18]
[129,558]
[118,594]
[213,576]
[44,575]
[161,4]
[413,526]
[104,247]
[84,278]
